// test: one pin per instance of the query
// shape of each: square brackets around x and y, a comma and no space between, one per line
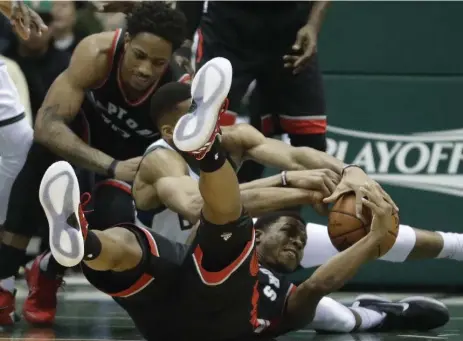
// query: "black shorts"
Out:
[255,42]
[171,284]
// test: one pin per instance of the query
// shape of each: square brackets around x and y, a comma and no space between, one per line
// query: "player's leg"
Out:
[112,204]
[411,243]
[118,249]
[224,231]
[15,140]
[212,41]
[23,216]
[299,103]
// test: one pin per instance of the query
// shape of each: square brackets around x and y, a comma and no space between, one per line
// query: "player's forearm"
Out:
[332,275]
[61,140]
[317,14]
[309,158]
[181,195]
[258,201]
[270,181]
[329,277]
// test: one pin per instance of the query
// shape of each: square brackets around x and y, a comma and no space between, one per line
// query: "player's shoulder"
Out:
[93,52]
[96,44]
[163,161]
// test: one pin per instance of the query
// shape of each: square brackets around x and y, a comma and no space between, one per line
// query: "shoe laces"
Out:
[84,200]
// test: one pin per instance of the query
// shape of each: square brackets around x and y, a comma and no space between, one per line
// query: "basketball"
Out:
[345,229]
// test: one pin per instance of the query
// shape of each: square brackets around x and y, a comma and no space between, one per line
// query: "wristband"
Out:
[347,166]
[112,169]
[284,180]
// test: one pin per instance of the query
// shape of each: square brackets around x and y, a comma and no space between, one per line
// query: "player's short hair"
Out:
[266,220]
[166,98]
[160,19]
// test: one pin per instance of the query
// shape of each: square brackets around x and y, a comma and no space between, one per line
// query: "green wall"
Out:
[396,68]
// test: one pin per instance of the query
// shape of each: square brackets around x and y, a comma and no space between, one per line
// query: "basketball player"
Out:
[16,133]
[110,78]
[218,281]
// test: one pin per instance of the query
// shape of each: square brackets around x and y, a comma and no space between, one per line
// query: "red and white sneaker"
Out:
[7,308]
[59,196]
[40,305]
[196,131]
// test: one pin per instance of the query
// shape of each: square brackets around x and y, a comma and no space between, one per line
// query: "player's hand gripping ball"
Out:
[345,229]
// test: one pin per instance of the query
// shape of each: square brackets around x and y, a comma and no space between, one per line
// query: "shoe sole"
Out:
[209,90]
[60,198]
[423,299]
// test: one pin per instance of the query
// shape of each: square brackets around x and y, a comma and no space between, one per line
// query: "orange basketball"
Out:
[345,229]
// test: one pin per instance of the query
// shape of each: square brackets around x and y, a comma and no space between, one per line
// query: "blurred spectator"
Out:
[65,36]
[40,62]
[20,82]
[88,21]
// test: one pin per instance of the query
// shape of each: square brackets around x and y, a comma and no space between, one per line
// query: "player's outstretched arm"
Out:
[274,153]
[332,275]
[163,179]
[87,68]
[277,154]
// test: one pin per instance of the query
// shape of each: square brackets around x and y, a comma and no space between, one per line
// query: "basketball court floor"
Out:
[84,314]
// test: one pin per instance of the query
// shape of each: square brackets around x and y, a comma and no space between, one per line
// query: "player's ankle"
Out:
[214,159]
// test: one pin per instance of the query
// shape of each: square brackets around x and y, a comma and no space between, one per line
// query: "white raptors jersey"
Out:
[166,222]
[10,104]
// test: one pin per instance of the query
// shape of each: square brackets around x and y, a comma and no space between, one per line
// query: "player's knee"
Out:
[124,249]
[222,244]
[316,141]
[112,206]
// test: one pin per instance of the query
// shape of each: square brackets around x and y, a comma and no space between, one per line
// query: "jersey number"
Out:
[270,293]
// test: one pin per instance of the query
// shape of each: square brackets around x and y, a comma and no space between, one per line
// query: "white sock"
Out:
[370,318]
[332,316]
[453,246]
[44,262]
[8,284]
[29,264]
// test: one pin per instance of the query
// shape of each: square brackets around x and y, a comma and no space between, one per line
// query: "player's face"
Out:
[145,60]
[282,245]
[172,118]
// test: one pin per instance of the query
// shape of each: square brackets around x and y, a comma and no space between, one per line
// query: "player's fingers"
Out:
[321,209]
[369,190]
[290,59]
[329,183]
[389,200]
[335,195]
[359,195]
[333,175]
[371,205]
[299,41]
[25,16]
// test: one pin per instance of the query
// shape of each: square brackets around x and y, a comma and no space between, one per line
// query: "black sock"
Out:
[54,269]
[214,159]
[11,259]
[92,246]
